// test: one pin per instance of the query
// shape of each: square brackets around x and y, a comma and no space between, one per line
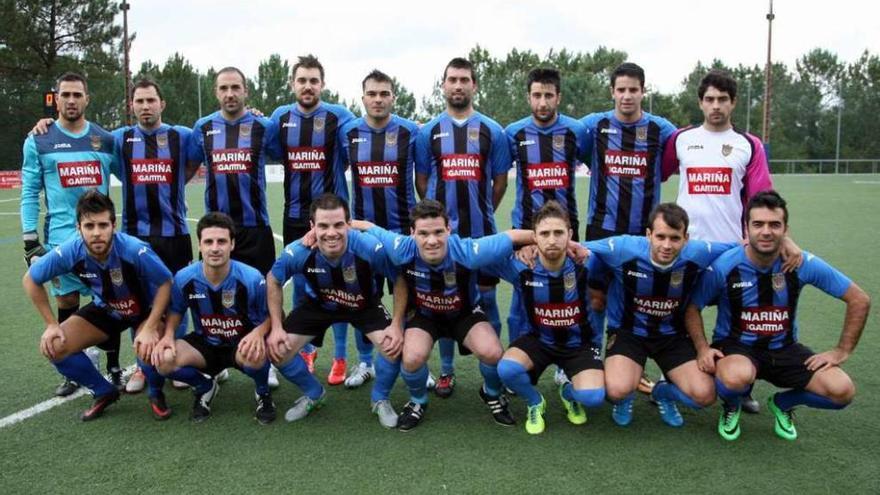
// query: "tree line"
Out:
[40,39]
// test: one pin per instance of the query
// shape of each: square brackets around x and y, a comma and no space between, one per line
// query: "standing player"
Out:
[233,144]
[625,169]
[130,289]
[557,328]
[342,284]
[441,271]
[379,148]
[546,148]
[756,332]
[720,167]
[309,145]
[462,159]
[227,300]
[73,156]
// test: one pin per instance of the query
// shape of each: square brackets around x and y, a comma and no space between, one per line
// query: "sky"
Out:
[412,40]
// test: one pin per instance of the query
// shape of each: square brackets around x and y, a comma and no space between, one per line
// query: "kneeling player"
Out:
[440,270]
[557,327]
[756,332]
[341,286]
[227,300]
[131,289]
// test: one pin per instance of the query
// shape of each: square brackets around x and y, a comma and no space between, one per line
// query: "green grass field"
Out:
[458,449]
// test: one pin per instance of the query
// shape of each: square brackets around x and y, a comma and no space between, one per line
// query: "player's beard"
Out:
[544,119]
[71,115]
[308,107]
[462,104]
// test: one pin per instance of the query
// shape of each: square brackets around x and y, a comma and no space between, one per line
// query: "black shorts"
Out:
[572,360]
[311,319]
[101,319]
[295,229]
[452,328]
[255,246]
[175,251]
[783,367]
[668,351]
[487,280]
[217,357]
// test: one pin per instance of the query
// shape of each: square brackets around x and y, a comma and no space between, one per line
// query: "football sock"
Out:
[78,367]
[416,383]
[516,377]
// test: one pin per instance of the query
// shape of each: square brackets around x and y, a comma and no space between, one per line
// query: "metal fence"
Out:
[831,166]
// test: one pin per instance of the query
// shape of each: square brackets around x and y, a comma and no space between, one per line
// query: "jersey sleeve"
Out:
[499,155]
[56,262]
[273,146]
[757,177]
[149,266]
[505,268]
[709,287]
[612,251]
[370,248]
[706,252]
[399,248]
[270,139]
[669,164]
[477,253]
[818,273]
[290,262]
[116,163]
[258,309]
[424,157]
[31,184]
[178,301]
[196,149]
[583,140]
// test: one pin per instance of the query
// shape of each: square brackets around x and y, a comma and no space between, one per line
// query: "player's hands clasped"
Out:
[48,346]
[277,344]
[706,359]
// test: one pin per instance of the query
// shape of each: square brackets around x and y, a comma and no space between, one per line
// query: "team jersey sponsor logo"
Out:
[558,315]
[80,174]
[558,141]
[232,161]
[568,281]
[449,279]
[765,320]
[349,274]
[126,308]
[391,139]
[378,174]
[658,307]
[95,141]
[151,171]
[709,180]
[343,298]
[641,133]
[547,176]
[116,276]
[461,167]
[778,281]
[319,124]
[676,278]
[726,149]
[224,327]
[473,133]
[228,298]
[438,302]
[244,130]
[633,164]
[162,140]
[306,158]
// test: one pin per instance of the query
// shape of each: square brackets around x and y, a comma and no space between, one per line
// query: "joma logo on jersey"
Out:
[632,273]
[315,270]
[709,180]
[377,174]
[418,274]
[440,135]
[151,171]
[306,158]
[461,167]
[632,164]
[80,174]
[87,275]
[741,285]
[540,176]
[231,161]
[529,283]
[61,146]
[527,142]
[197,295]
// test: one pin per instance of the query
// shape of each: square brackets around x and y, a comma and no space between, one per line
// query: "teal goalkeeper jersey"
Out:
[65,166]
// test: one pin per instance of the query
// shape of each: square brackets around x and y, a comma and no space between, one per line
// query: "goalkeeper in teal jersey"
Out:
[74,156]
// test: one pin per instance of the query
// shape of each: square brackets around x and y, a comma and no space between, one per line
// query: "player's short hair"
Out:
[428,208]
[215,219]
[720,80]
[628,69]
[378,76]
[769,199]
[673,215]
[551,209]
[460,63]
[94,202]
[544,75]
[328,201]
[231,69]
[146,82]
[71,77]
[307,62]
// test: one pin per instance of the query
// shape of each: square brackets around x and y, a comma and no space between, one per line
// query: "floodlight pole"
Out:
[126,70]
[767,72]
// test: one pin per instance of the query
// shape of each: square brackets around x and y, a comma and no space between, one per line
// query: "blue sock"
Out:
[416,382]
[181,329]
[788,399]
[297,373]
[514,318]
[78,367]
[193,377]
[260,376]
[516,378]
[447,356]
[587,397]
[386,375]
[597,320]
[364,347]
[155,381]
[340,340]
[489,303]
[731,397]
[491,380]
[664,390]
